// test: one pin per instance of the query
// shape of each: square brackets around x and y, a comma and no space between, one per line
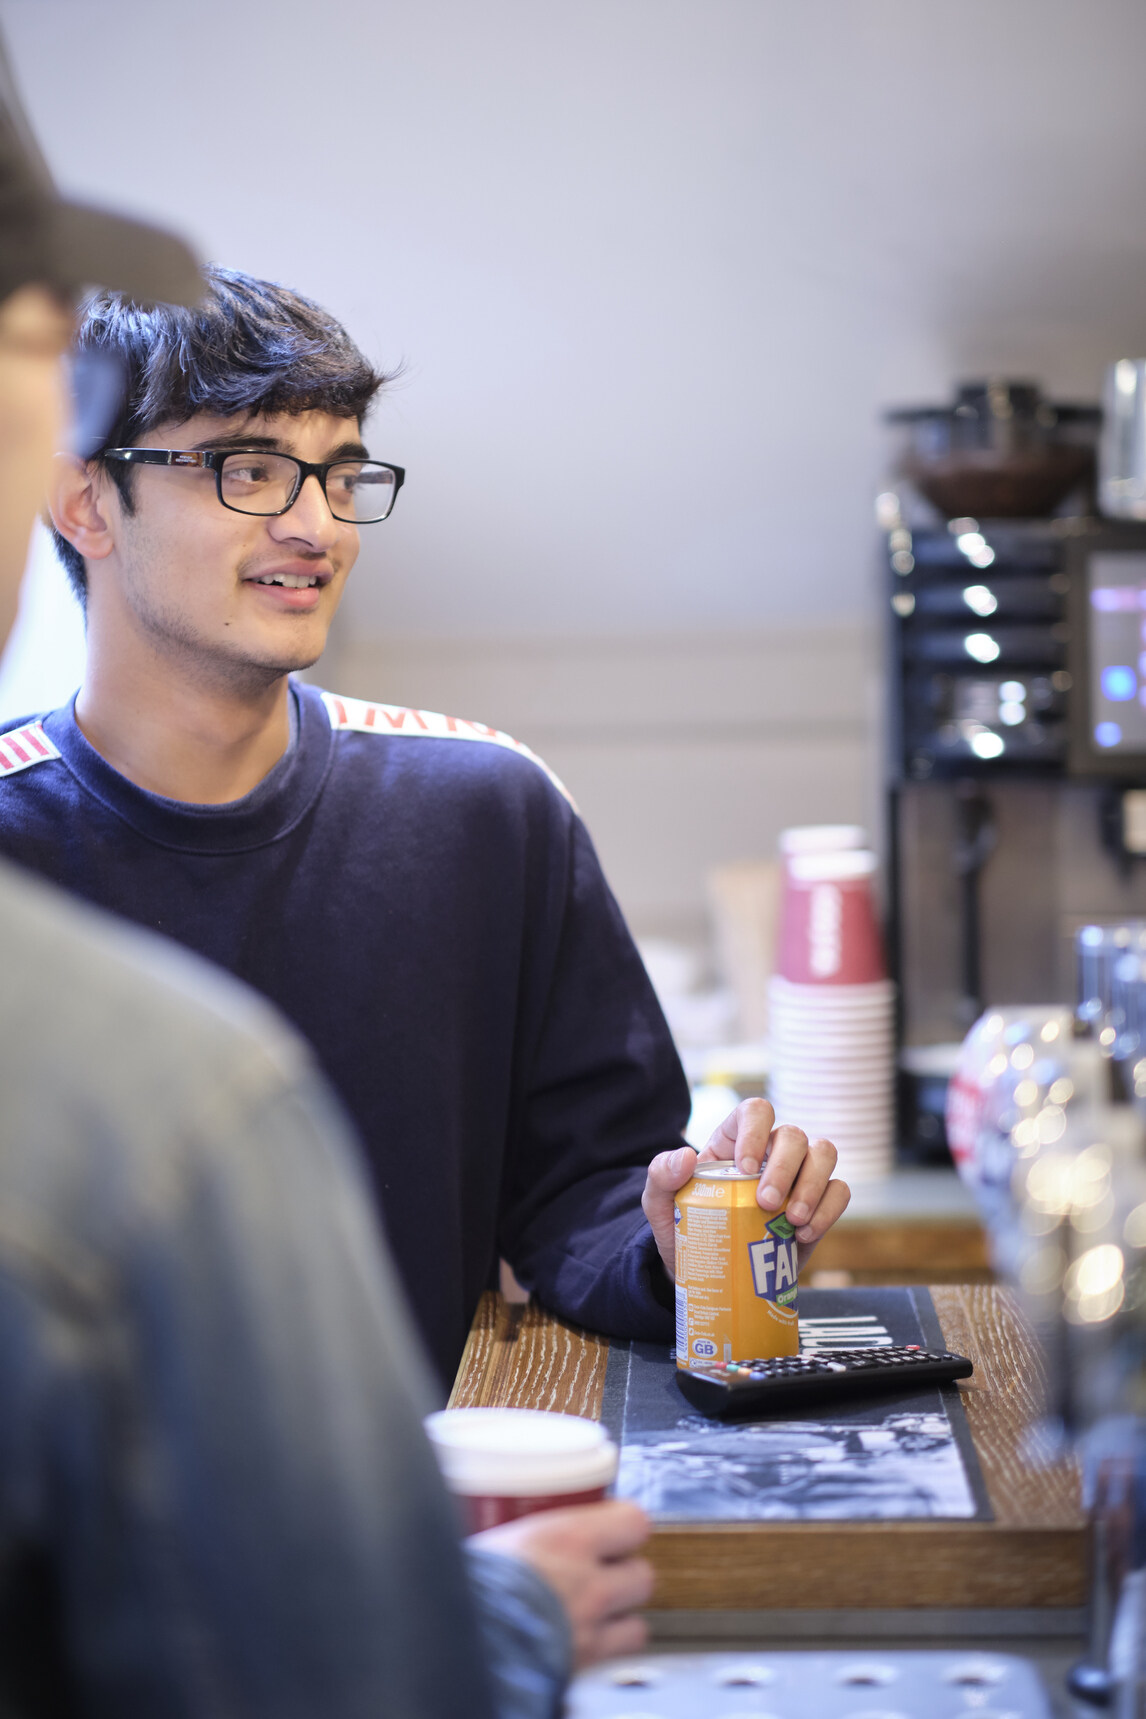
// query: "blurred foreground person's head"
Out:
[50,250]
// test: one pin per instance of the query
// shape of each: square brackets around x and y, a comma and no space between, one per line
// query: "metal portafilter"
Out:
[1079,1257]
[1111,965]
[1047,1119]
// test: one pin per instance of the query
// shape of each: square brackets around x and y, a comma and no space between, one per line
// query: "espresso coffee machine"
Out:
[1016,763]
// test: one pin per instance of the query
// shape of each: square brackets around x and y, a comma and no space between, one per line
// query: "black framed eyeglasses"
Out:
[358,492]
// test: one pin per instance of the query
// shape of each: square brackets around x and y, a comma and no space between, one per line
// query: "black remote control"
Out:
[727,1388]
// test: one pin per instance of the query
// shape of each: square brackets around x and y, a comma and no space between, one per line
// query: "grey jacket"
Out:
[215,1494]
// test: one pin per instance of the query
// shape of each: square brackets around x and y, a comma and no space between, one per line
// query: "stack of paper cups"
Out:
[832,1011]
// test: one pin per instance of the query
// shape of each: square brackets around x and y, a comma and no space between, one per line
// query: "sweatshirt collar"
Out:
[270,811]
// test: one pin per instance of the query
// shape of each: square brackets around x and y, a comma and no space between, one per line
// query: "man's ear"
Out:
[77,502]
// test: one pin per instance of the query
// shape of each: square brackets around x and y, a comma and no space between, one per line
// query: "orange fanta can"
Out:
[735,1272]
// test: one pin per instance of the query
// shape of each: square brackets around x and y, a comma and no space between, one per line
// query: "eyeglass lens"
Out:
[358,491]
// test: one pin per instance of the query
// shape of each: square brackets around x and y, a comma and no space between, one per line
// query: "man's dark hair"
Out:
[250,347]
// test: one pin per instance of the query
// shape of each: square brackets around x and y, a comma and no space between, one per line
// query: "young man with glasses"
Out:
[215,1493]
[417,893]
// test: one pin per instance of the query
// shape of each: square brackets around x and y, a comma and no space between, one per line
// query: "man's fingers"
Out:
[588,1555]
[793,1174]
[599,1533]
[666,1175]
[812,1178]
[603,1622]
[669,1171]
[614,1640]
[786,1155]
[622,1587]
[833,1205]
[743,1135]
[614,1529]
[582,1533]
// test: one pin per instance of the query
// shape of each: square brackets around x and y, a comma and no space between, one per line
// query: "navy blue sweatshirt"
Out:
[420,897]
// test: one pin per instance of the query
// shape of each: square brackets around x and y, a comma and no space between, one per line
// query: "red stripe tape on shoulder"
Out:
[399,719]
[20,748]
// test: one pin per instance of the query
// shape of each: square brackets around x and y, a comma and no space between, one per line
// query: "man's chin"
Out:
[263,666]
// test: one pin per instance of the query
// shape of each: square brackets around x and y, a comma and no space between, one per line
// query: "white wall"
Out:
[654,267]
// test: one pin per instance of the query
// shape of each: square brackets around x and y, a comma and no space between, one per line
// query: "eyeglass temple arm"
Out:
[157,456]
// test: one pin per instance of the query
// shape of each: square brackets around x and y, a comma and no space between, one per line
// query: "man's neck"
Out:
[204,745]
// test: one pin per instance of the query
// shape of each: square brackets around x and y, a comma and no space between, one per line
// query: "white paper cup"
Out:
[505,1463]
[878,990]
[811,1027]
[866,1065]
[823,1092]
[851,1020]
[823,1096]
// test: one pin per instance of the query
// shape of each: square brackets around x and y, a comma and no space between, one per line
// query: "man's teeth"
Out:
[292,581]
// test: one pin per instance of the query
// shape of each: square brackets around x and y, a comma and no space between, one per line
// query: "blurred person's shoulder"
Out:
[120,1028]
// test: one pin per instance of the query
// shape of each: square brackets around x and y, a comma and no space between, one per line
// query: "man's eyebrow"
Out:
[274,445]
[236,439]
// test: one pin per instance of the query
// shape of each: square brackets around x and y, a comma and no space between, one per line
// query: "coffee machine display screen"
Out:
[1116,649]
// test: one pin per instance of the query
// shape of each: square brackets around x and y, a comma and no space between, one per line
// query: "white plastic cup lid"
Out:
[834,867]
[822,838]
[520,1453]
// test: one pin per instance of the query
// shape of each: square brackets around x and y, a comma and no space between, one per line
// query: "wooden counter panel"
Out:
[520,1357]
[1003,1403]
[1031,1555]
[825,1565]
[905,1249]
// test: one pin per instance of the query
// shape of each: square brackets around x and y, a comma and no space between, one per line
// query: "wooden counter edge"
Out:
[860,1565]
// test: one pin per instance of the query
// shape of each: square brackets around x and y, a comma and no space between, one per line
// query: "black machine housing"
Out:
[1017,723]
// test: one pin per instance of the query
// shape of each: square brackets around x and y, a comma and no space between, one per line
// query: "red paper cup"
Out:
[828,930]
[505,1463]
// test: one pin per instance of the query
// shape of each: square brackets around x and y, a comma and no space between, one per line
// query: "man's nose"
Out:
[308,519]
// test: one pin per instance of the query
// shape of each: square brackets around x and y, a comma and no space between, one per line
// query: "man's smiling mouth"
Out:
[290,581]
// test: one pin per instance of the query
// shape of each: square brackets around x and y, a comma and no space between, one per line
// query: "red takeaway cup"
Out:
[505,1463]
[828,929]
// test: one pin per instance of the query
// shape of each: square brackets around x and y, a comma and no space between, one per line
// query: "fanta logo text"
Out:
[773,1267]
[709,1190]
[367,718]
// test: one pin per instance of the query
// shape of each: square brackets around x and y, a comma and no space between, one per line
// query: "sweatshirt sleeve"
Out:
[525,1633]
[601,1093]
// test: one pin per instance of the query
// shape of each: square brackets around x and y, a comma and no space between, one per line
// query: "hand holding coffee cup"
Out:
[589,1557]
[541,1478]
